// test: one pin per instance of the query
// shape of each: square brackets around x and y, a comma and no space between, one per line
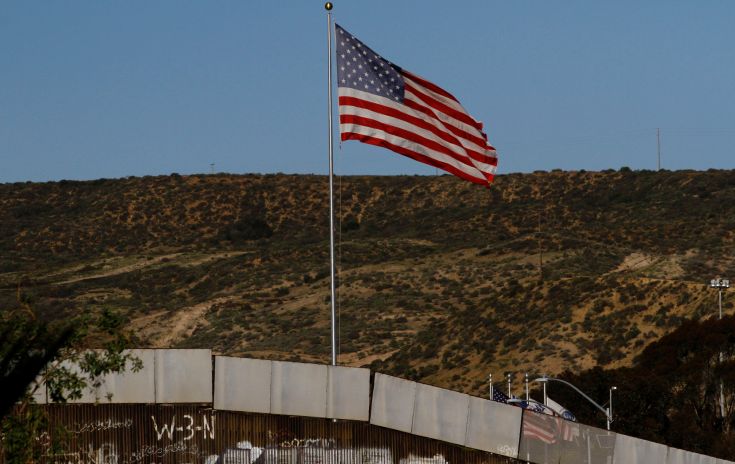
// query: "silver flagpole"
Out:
[328,7]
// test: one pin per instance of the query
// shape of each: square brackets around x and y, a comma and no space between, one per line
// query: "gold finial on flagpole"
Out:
[328,6]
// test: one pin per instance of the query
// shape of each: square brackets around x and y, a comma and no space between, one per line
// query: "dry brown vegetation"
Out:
[439,280]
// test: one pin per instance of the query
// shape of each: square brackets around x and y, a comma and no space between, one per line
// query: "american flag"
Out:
[385,105]
[499,396]
[548,428]
[540,427]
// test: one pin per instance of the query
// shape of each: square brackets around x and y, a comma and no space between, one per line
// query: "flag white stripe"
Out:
[421,149]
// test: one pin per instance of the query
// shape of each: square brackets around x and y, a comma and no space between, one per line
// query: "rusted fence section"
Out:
[190,433]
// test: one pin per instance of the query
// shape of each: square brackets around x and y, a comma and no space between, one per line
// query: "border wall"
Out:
[188,406]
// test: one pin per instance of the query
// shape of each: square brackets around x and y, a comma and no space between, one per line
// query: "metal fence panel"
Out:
[494,427]
[348,393]
[242,384]
[89,394]
[541,440]
[183,376]
[440,414]
[678,456]
[582,444]
[129,386]
[299,389]
[630,450]
[393,402]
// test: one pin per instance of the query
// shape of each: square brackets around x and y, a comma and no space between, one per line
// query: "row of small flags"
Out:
[551,407]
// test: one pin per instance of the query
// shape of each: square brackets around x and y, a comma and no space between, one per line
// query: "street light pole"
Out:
[720,285]
[606,412]
[609,408]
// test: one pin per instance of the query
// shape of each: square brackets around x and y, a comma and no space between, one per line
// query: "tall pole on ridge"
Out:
[328,7]
[658,149]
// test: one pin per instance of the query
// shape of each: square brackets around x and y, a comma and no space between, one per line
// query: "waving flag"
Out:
[385,105]
[540,427]
[561,410]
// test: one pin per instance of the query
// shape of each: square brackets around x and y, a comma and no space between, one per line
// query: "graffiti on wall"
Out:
[188,434]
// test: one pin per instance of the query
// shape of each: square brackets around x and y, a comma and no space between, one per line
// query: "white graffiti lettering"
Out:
[206,427]
[188,428]
[158,452]
[97,426]
[168,431]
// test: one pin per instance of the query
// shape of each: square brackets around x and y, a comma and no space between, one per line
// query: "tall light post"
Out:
[606,412]
[721,285]
[609,407]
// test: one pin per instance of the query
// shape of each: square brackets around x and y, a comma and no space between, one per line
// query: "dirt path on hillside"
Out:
[162,332]
[144,263]
[120,270]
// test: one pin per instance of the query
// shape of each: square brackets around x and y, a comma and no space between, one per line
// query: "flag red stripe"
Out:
[451,112]
[394,113]
[412,154]
[539,427]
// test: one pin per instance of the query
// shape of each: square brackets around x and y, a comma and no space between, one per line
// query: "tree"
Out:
[55,355]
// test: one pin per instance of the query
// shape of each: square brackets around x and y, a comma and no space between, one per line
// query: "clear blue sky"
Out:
[92,89]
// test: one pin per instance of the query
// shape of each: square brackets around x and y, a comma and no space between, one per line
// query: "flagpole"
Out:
[328,7]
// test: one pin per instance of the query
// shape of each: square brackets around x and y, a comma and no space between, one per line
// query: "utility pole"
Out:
[720,285]
[658,148]
[540,252]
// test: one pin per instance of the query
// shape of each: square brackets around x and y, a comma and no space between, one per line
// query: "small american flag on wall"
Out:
[384,105]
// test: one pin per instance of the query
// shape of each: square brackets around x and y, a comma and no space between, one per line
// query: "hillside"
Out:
[439,279]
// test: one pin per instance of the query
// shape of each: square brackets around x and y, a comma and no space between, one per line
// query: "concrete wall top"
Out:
[242,384]
[440,414]
[348,393]
[393,402]
[183,376]
[630,450]
[298,389]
